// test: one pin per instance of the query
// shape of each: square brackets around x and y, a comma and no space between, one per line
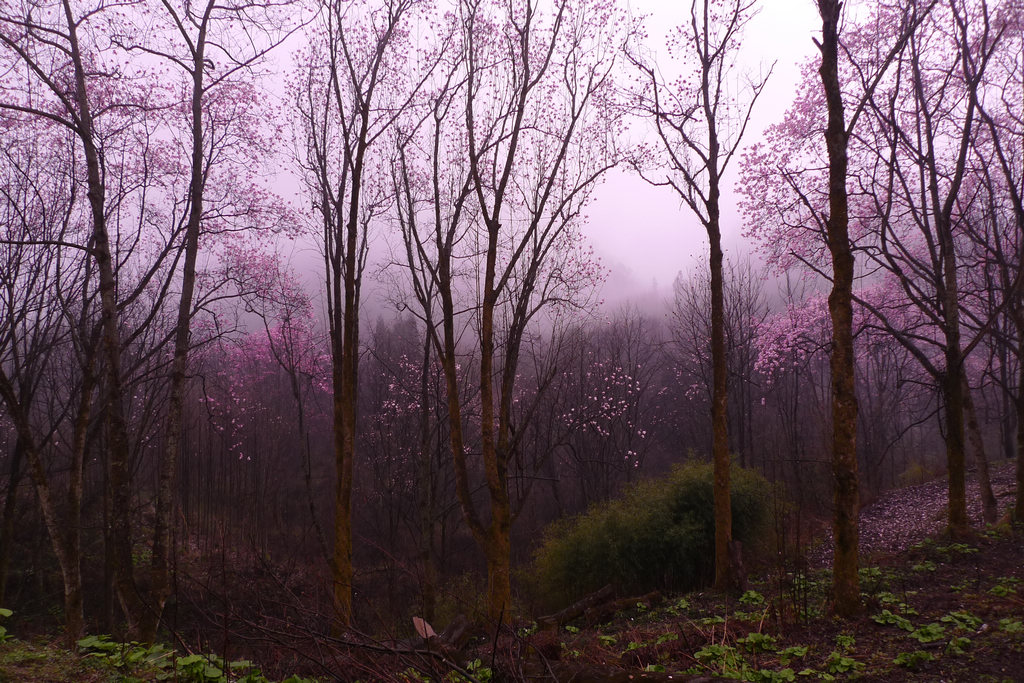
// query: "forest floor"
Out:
[936,609]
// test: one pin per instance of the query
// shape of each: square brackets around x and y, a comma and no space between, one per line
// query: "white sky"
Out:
[642,233]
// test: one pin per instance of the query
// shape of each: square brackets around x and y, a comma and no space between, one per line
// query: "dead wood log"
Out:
[599,613]
[575,610]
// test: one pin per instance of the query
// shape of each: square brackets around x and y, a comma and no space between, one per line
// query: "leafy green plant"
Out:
[758,642]
[678,607]
[838,663]
[887,598]
[929,633]
[956,549]
[1011,625]
[525,631]
[845,641]
[126,656]
[666,638]
[913,660]
[480,672]
[723,659]
[747,616]
[923,545]
[962,620]
[926,566]
[869,573]
[962,586]
[958,646]
[198,668]
[872,578]
[659,534]
[5,614]
[752,598]
[132,657]
[887,618]
[790,653]
[1005,586]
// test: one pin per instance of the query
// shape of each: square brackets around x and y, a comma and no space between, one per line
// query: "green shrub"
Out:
[658,535]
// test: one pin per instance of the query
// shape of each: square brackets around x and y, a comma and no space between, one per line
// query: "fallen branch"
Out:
[601,612]
[575,610]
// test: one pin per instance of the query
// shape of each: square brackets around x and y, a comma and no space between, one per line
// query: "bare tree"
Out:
[700,125]
[45,315]
[518,132]
[799,203]
[745,310]
[354,87]
[218,48]
[999,102]
[924,122]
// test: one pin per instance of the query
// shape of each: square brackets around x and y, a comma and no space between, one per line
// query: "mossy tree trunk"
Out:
[845,529]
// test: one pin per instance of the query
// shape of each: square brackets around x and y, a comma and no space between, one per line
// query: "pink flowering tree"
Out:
[55,73]
[700,124]
[407,497]
[493,176]
[1001,147]
[606,404]
[45,287]
[290,340]
[799,203]
[360,72]
[916,170]
[217,137]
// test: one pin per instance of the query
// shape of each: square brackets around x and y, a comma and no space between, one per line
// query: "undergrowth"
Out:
[658,535]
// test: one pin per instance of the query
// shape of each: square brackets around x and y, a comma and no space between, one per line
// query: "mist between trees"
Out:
[197,437]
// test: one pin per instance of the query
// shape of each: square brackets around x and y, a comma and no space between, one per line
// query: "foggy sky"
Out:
[642,233]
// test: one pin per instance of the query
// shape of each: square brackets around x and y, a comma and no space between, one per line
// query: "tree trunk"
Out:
[63,540]
[498,544]
[426,489]
[499,566]
[119,466]
[7,525]
[168,466]
[990,510]
[724,579]
[1018,508]
[1007,425]
[344,446]
[845,579]
[952,394]
[64,535]
[953,391]
[307,464]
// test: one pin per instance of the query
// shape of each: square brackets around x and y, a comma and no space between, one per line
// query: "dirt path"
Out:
[902,517]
